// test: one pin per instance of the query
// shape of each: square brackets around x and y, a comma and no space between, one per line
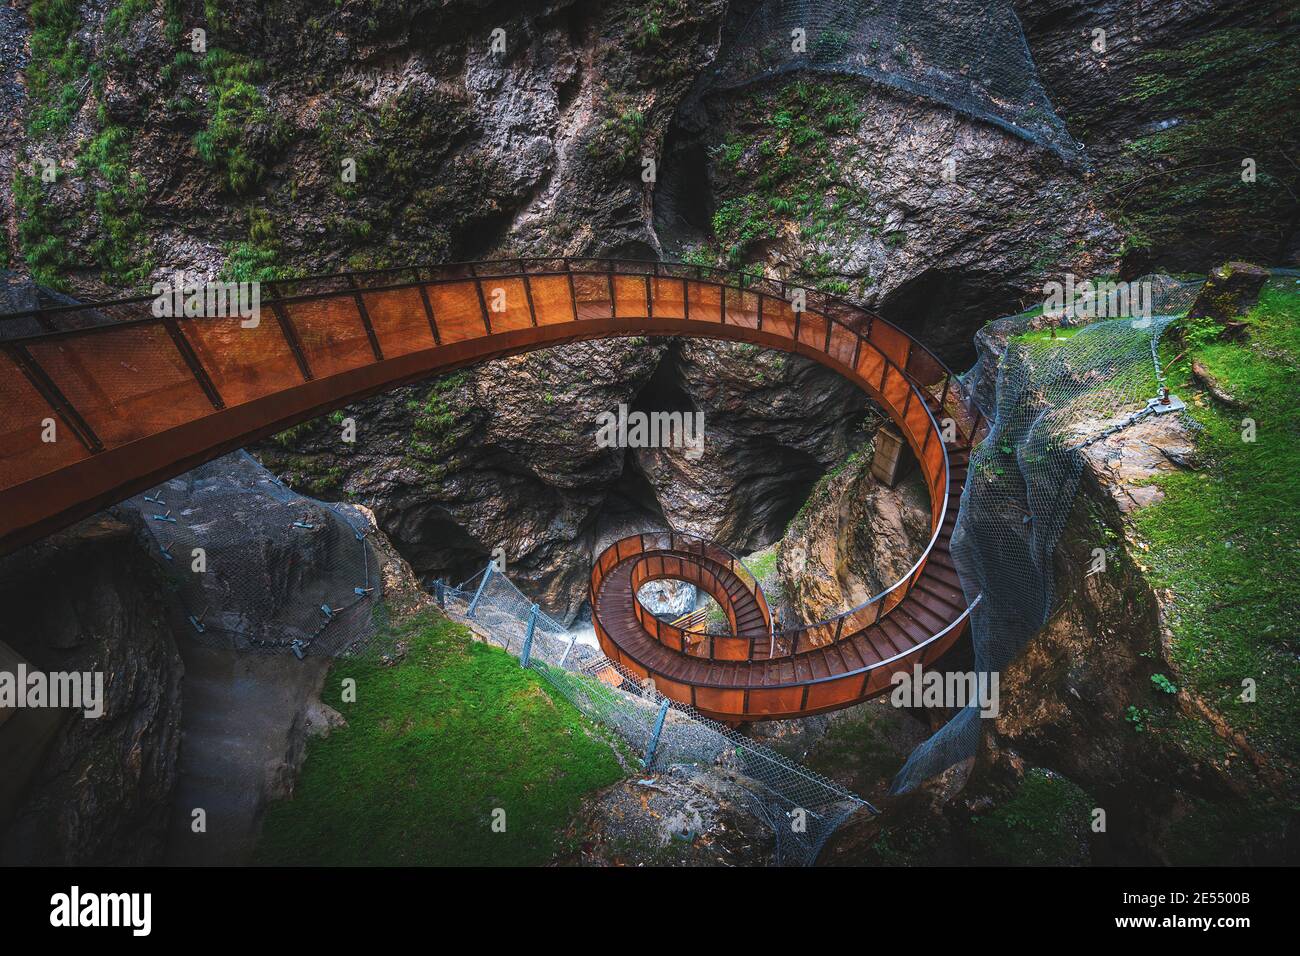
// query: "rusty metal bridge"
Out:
[136,398]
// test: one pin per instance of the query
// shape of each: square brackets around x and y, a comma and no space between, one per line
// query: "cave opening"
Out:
[665,390]
[436,545]
[944,308]
[683,199]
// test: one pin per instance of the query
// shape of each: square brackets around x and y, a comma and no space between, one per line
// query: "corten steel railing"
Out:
[671,554]
[138,398]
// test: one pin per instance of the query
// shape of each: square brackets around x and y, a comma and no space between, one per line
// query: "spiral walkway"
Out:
[105,400]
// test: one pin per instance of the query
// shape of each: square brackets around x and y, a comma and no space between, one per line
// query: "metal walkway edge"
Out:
[135,398]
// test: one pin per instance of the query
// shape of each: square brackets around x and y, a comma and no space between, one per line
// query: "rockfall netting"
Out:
[802,807]
[252,565]
[1046,400]
[970,55]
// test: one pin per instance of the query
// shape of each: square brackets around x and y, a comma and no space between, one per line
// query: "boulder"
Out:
[1228,293]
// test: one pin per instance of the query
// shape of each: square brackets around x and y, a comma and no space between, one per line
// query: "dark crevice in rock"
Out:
[683,201]
[486,235]
[666,389]
[633,498]
[943,308]
[438,546]
[631,249]
[88,600]
[777,495]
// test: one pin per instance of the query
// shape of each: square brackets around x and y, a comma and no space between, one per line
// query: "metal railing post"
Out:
[565,656]
[291,337]
[482,300]
[654,737]
[526,653]
[473,605]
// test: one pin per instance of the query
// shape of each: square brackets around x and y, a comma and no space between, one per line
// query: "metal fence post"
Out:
[654,737]
[487,573]
[528,637]
[440,592]
[573,640]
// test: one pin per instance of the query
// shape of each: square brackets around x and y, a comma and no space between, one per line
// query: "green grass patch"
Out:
[763,564]
[58,67]
[439,423]
[1226,539]
[1045,336]
[855,751]
[241,129]
[782,167]
[39,227]
[616,145]
[120,195]
[1214,834]
[118,20]
[434,744]
[1045,823]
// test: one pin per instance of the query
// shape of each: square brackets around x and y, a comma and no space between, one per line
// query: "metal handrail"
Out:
[644,552]
[349,285]
[741,279]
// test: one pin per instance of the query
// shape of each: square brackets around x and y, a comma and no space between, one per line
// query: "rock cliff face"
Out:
[506,456]
[848,188]
[502,457]
[480,128]
[1183,93]
[854,538]
[472,127]
[87,599]
[773,424]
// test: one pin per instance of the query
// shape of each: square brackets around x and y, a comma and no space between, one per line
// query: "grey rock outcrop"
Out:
[87,599]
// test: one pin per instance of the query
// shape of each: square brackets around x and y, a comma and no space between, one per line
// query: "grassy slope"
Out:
[1044,823]
[1226,539]
[433,745]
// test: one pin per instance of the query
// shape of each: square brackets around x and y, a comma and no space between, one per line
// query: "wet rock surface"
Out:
[936,253]
[682,816]
[86,599]
[854,538]
[773,423]
[505,456]
[1127,460]
[1229,292]
[667,599]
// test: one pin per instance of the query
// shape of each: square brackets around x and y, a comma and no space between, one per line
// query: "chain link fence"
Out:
[802,807]
[1048,398]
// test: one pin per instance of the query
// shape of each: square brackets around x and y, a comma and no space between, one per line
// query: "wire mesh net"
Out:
[970,55]
[1046,400]
[252,565]
[803,808]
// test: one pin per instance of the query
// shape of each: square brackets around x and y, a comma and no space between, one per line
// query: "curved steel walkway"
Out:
[132,399]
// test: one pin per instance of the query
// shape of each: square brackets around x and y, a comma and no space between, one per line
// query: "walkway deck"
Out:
[135,399]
